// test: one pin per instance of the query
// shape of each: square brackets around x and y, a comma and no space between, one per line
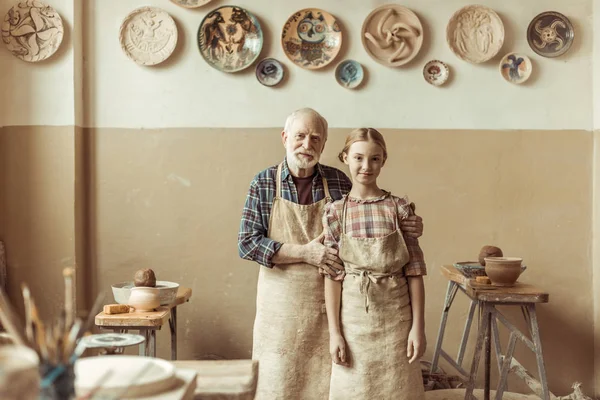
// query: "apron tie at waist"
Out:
[366,277]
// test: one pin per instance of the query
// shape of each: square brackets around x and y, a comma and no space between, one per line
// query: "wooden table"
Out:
[223,379]
[487,297]
[147,323]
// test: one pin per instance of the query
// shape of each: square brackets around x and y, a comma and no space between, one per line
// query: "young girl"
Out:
[377,334]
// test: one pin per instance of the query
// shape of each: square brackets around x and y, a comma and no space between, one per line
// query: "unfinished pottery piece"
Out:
[311,38]
[230,38]
[191,3]
[349,74]
[146,375]
[470,269]
[167,291]
[144,299]
[32,30]
[392,35]
[515,68]
[475,33]
[148,35]
[269,72]
[489,251]
[550,34]
[503,271]
[436,72]
[19,373]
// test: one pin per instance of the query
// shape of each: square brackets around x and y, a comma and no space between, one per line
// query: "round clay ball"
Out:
[144,277]
[489,251]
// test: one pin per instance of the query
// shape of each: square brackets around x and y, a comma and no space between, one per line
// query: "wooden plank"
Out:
[135,319]
[451,273]
[223,379]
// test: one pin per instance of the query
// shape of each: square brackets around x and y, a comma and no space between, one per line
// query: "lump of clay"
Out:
[489,251]
[144,277]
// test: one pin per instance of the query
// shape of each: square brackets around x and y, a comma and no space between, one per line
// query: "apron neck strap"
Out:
[278,182]
[326,187]
[344,214]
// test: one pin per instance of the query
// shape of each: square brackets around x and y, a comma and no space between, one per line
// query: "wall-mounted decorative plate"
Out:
[349,74]
[436,72]
[230,38]
[550,34]
[269,72]
[32,30]
[148,35]
[475,33]
[392,35]
[515,67]
[191,3]
[311,38]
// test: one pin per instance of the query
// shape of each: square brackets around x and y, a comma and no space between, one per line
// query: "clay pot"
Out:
[503,271]
[144,298]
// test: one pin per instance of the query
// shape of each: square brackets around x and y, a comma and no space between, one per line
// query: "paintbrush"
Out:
[90,318]
[68,275]
[28,321]
[40,334]
[70,340]
[10,321]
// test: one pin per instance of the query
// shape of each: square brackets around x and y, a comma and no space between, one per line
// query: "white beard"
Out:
[301,163]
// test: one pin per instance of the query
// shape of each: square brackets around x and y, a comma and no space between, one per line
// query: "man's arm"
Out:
[253,243]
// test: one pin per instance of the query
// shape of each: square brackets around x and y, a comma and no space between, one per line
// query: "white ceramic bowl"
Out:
[166,289]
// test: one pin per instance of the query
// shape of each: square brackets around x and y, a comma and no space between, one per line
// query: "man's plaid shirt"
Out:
[253,243]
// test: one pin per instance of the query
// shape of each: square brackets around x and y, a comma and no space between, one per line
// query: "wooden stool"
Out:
[147,323]
[487,298]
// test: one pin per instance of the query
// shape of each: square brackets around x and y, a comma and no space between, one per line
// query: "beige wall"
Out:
[171,200]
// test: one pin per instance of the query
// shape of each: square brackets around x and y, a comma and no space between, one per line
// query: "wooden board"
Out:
[140,319]
[223,379]
[520,293]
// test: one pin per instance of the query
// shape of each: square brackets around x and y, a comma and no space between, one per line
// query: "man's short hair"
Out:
[304,112]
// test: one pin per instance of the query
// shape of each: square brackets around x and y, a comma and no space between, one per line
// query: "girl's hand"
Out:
[337,349]
[417,343]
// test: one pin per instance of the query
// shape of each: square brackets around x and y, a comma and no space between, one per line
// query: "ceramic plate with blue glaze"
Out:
[269,72]
[515,68]
[230,38]
[349,74]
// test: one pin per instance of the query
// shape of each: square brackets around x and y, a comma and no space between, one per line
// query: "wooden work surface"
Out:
[142,319]
[223,379]
[520,293]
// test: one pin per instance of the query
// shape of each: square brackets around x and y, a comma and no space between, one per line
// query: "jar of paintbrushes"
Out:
[55,342]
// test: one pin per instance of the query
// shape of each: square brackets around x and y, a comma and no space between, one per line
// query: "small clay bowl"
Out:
[503,271]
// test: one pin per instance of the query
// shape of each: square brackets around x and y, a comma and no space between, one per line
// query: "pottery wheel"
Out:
[124,376]
[392,35]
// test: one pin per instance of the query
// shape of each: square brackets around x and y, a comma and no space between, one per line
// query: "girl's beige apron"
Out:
[291,341]
[376,318]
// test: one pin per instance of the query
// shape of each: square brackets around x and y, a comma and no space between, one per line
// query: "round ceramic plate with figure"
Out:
[230,38]
[475,33]
[311,38]
[191,3]
[550,34]
[436,72]
[148,35]
[32,30]
[349,74]
[515,68]
[269,72]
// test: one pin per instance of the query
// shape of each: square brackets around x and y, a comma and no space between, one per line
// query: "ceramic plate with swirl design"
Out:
[475,34]
[269,72]
[191,3]
[311,38]
[550,34]
[148,35]
[230,38]
[392,35]
[32,30]
[515,68]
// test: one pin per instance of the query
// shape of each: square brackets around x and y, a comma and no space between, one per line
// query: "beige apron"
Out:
[290,330]
[376,319]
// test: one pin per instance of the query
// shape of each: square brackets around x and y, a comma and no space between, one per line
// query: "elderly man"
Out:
[281,229]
